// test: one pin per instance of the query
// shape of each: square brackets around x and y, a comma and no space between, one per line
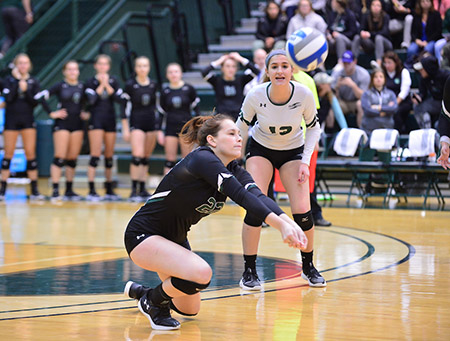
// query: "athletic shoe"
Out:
[321,222]
[112,197]
[2,197]
[72,196]
[94,197]
[144,195]
[250,280]
[134,290]
[313,276]
[37,197]
[134,197]
[158,315]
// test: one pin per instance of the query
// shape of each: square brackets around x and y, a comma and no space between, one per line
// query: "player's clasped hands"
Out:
[293,235]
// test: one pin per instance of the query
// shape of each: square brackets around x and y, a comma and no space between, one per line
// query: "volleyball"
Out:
[307,49]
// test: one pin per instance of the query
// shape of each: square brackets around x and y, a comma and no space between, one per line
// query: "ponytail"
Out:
[198,128]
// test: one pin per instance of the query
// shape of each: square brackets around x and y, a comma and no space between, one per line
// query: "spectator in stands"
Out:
[17,17]
[179,103]
[398,80]
[19,91]
[374,35]
[288,7]
[271,30]
[306,17]
[341,28]
[259,58]
[441,6]
[426,30]
[349,84]
[444,127]
[140,99]
[431,88]
[229,87]
[379,104]
[401,18]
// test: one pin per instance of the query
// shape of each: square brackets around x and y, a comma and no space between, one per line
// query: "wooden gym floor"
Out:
[63,268]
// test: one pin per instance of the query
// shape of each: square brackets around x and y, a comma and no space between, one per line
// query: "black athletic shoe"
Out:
[250,280]
[72,196]
[321,222]
[55,195]
[313,276]
[144,195]
[134,290]
[134,197]
[158,315]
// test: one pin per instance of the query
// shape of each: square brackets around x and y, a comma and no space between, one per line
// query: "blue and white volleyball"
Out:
[307,49]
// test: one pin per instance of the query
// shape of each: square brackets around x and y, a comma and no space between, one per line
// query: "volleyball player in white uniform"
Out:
[277,141]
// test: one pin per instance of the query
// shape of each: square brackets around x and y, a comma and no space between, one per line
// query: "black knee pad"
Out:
[58,162]
[108,162]
[144,161]
[71,163]
[304,220]
[188,287]
[32,165]
[136,160]
[93,162]
[6,163]
[169,164]
[174,308]
[251,220]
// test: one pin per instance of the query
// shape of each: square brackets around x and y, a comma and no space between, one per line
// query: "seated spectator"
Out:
[426,30]
[305,17]
[401,18]
[349,83]
[259,58]
[379,104]
[271,29]
[341,28]
[374,35]
[288,7]
[398,80]
[431,88]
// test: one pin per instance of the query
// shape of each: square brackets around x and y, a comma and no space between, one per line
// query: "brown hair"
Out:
[371,21]
[198,128]
[174,64]
[372,76]
[108,58]
[395,58]
[16,58]
[419,10]
[68,62]
[270,3]
[144,58]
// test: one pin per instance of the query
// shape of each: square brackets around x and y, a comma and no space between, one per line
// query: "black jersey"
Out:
[229,94]
[20,105]
[444,119]
[140,105]
[197,186]
[178,105]
[71,98]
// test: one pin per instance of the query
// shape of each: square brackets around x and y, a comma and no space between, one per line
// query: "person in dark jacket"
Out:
[374,35]
[271,29]
[431,89]
[426,30]
[341,27]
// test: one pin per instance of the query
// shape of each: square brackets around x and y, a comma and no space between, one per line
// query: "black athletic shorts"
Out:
[277,157]
[106,123]
[70,123]
[19,122]
[146,123]
[174,124]
[134,238]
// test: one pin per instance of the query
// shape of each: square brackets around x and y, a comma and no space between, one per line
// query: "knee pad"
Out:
[144,161]
[93,162]
[169,164]
[6,163]
[136,160]
[173,307]
[32,165]
[251,220]
[58,162]
[304,220]
[188,287]
[108,162]
[71,163]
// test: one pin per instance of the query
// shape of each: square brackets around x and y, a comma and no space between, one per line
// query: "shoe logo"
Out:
[141,236]
[147,306]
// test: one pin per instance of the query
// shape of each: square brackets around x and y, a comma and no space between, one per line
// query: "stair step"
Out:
[246,30]
[237,39]
[230,48]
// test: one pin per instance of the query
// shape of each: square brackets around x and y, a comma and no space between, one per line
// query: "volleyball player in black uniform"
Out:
[156,237]
[444,127]
[140,98]
[179,102]
[68,127]
[102,91]
[19,91]
[229,87]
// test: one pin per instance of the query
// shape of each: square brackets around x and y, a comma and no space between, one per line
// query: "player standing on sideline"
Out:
[140,97]
[101,92]
[19,91]
[444,127]
[68,128]
[179,102]
[278,142]
[229,88]
[156,236]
